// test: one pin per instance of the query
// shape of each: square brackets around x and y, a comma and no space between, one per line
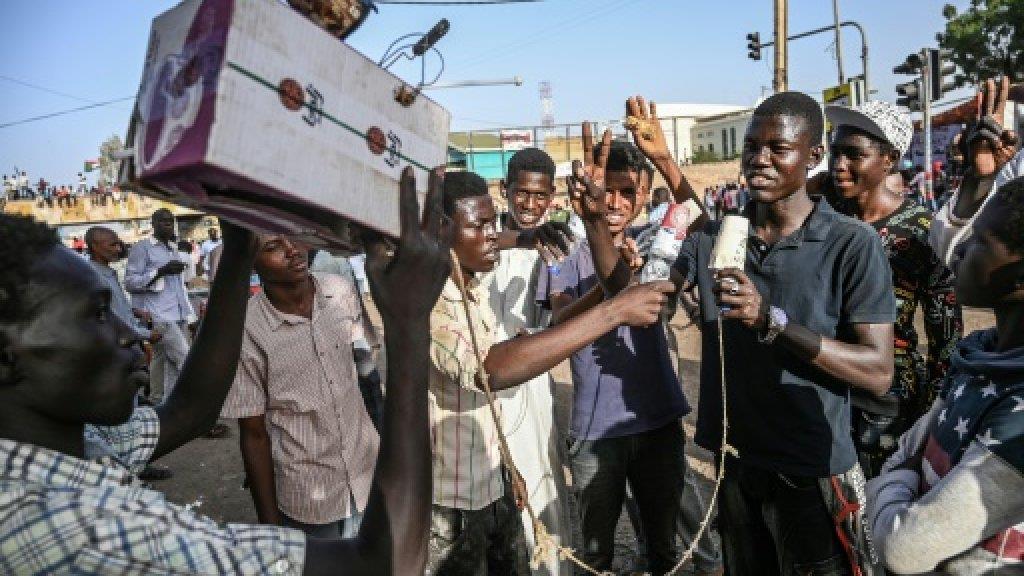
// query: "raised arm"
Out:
[987,147]
[587,194]
[395,527]
[206,377]
[648,135]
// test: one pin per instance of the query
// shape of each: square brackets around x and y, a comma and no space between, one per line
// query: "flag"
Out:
[91,165]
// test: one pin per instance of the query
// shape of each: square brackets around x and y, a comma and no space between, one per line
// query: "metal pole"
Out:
[839,41]
[675,138]
[780,82]
[568,153]
[926,113]
[863,45]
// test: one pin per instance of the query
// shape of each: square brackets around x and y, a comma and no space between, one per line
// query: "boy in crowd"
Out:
[308,449]
[70,442]
[476,527]
[628,403]
[868,142]
[951,499]
[810,318]
[528,410]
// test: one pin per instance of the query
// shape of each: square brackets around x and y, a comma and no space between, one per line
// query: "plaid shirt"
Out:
[64,515]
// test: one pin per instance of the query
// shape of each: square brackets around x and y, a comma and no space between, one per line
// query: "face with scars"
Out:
[474,233]
[626,194]
[529,196]
[74,360]
[777,154]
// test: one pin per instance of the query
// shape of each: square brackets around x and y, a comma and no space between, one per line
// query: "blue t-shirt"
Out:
[624,381]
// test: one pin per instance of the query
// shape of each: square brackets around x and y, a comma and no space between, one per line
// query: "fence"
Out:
[487,153]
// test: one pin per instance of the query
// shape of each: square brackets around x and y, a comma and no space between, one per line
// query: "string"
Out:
[544,543]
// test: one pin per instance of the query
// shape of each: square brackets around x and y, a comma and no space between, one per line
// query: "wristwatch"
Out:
[776,323]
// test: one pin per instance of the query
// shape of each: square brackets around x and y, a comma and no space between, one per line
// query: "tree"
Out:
[702,156]
[108,164]
[987,39]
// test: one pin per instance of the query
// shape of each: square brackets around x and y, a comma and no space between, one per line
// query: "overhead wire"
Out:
[560,26]
[44,89]
[63,112]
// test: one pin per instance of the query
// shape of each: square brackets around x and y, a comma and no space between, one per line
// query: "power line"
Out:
[44,89]
[63,112]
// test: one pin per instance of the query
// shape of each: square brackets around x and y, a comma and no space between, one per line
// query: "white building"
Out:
[679,119]
[721,135]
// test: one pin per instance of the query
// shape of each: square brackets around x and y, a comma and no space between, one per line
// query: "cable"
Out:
[560,26]
[44,89]
[63,112]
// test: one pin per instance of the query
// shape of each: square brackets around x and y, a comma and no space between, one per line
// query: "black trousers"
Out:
[776,525]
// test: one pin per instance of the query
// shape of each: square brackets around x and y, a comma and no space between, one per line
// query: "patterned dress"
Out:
[919,278]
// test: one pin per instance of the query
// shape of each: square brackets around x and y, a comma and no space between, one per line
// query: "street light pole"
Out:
[926,119]
[863,45]
[781,80]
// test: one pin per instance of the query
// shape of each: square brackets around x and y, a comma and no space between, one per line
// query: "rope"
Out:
[544,543]
[725,449]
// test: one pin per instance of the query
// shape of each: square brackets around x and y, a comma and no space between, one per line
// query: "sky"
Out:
[63,54]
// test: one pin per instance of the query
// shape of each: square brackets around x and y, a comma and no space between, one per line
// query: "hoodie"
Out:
[962,510]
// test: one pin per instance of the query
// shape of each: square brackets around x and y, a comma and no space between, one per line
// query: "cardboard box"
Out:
[249,111]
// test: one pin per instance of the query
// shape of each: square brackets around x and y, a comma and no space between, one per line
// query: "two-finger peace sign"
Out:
[586,184]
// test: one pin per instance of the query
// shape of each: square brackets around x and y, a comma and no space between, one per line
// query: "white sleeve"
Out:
[976,500]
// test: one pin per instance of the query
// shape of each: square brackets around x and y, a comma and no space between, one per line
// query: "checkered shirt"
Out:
[64,515]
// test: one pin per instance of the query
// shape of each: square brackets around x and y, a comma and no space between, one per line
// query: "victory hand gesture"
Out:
[988,145]
[586,185]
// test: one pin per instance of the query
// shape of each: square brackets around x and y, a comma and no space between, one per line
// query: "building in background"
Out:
[719,137]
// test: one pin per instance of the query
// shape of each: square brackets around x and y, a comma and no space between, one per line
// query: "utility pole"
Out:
[781,81]
[926,121]
[839,46]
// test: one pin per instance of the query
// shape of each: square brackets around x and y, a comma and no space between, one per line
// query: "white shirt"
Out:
[948,231]
[527,411]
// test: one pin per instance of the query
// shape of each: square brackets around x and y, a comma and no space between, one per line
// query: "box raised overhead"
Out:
[249,111]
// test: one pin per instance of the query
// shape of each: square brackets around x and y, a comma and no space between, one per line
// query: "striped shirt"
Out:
[65,515]
[301,375]
[466,460]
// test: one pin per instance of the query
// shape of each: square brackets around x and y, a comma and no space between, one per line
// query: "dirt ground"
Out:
[208,472]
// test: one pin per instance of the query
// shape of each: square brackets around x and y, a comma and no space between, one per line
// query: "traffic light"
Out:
[910,95]
[942,71]
[910,92]
[754,46]
[912,65]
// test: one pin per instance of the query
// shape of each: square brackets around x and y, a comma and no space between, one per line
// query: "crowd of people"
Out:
[17,187]
[843,446]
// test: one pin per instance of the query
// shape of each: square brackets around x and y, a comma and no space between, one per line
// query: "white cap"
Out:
[878,118]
